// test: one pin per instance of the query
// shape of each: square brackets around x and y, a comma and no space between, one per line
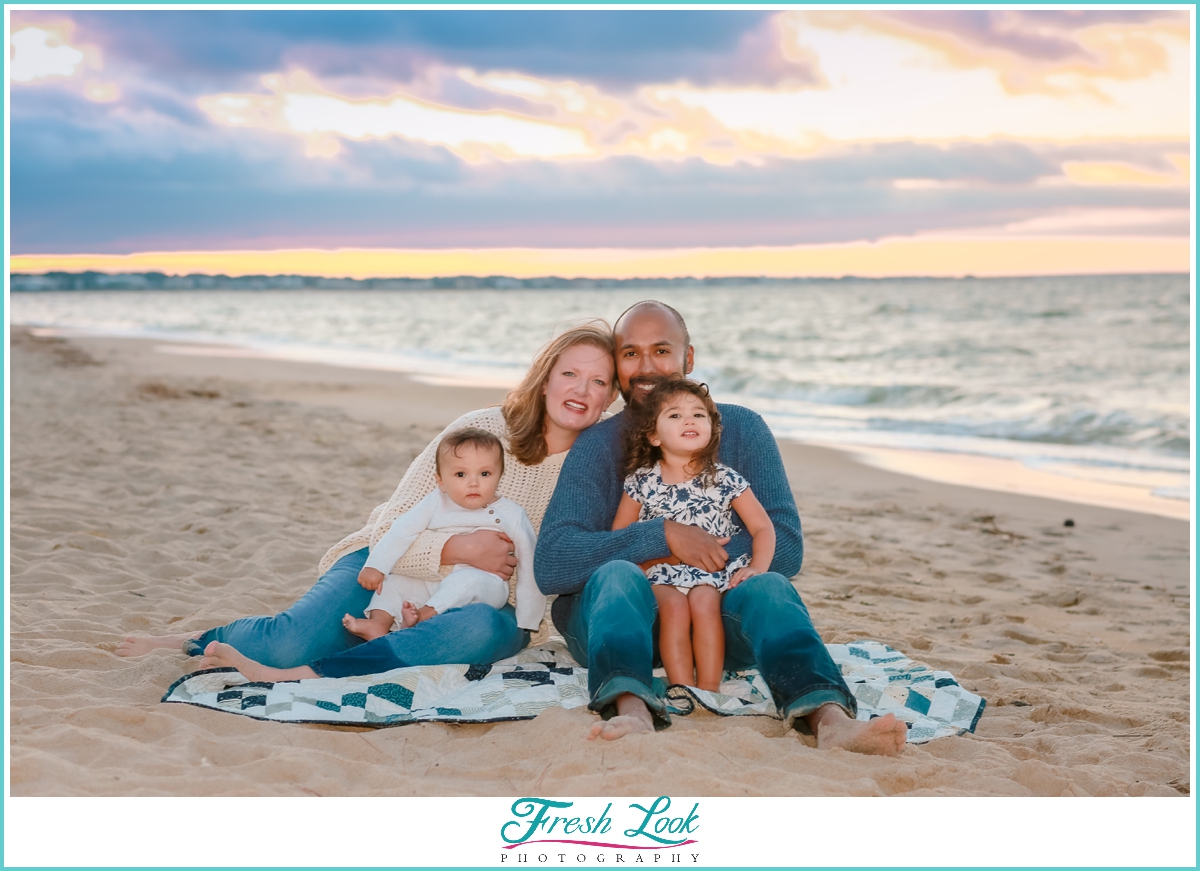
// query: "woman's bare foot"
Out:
[365,629]
[881,736]
[410,615]
[632,716]
[136,645]
[220,655]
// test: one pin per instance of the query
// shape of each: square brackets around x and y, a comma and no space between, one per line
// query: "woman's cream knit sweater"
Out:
[529,486]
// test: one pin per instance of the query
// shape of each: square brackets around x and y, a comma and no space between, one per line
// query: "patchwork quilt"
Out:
[882,680]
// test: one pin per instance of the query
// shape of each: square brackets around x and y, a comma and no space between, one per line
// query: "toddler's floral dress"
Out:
[696,504]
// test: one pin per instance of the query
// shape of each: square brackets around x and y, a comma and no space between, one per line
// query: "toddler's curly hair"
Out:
[640,454]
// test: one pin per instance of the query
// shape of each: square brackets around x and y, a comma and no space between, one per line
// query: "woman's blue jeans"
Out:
[611,631]
[311,632]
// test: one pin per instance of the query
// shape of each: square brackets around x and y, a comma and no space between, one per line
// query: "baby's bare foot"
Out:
[363,628]
[881,736]
[136,645]
[410,615]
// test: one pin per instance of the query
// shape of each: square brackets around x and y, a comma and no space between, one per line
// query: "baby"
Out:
[469,464]
[671,463]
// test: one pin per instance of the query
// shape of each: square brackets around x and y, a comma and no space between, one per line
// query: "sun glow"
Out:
[39,53]
[911,256]
[300,107]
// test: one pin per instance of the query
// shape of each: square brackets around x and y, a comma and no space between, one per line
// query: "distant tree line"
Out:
[20,281]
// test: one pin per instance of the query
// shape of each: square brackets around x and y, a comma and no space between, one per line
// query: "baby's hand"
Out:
[371,579]
[741,575]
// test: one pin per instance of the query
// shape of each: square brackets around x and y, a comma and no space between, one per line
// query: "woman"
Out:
[568,386]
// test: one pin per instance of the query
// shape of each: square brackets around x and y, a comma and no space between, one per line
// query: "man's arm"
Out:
[748,447]
[576,536]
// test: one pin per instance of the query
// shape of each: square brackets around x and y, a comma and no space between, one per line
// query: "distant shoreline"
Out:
[24,282]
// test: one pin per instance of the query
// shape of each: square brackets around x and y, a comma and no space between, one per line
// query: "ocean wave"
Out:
[1056,366]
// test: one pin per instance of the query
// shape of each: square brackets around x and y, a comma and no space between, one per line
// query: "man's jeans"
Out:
[610,630]
[311,632]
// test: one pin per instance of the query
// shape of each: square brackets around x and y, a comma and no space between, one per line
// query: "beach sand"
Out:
[156,493]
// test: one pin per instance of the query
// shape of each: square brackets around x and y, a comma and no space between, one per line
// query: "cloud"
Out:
[888,80]
[1099,172]
[302,108]
[726,87]
[102,196]
[1105,222]
[587,128]
[560,120]
[1035,51]
[38,53]
[41,54]
[617,49]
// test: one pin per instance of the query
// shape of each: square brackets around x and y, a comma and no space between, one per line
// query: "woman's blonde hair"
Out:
[525,406]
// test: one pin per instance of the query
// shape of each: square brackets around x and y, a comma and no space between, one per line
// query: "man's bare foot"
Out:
[881,736]
[632,716]
[220,655]
[363,628]
[619,727]
[410,615]
[136,645]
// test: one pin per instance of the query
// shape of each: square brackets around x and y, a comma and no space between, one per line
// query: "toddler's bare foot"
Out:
[410,615]
[136,645]
[881,736]
[363,628]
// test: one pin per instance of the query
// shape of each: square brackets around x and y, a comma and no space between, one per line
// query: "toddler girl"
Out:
[672,472]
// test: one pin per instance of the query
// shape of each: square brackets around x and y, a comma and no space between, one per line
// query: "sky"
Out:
[604,143]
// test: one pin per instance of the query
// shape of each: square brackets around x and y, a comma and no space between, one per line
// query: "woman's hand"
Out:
[741,575]
[483,549]
[370,579]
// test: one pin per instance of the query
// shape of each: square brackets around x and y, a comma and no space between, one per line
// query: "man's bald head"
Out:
[654,305]
[652,345]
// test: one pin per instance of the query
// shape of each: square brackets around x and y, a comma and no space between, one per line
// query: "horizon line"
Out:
[931,256]
[760,278]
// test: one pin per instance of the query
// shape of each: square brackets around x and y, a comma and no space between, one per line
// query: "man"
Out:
[606,610]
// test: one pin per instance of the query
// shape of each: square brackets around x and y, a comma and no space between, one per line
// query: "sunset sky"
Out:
[601,142]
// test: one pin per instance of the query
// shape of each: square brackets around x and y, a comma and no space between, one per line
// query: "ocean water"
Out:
[1082,376]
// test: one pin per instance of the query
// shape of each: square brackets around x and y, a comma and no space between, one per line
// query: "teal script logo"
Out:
[654,827]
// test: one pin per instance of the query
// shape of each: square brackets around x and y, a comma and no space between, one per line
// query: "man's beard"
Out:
[633,397]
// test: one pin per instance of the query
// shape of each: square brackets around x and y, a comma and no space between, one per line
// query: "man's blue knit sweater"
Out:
[576,537]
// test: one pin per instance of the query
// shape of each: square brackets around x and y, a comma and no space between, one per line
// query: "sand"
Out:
[158,493]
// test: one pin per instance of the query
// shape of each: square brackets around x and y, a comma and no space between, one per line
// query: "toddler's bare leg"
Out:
[136,645]
[375,624]
[708,636]
[674,633]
